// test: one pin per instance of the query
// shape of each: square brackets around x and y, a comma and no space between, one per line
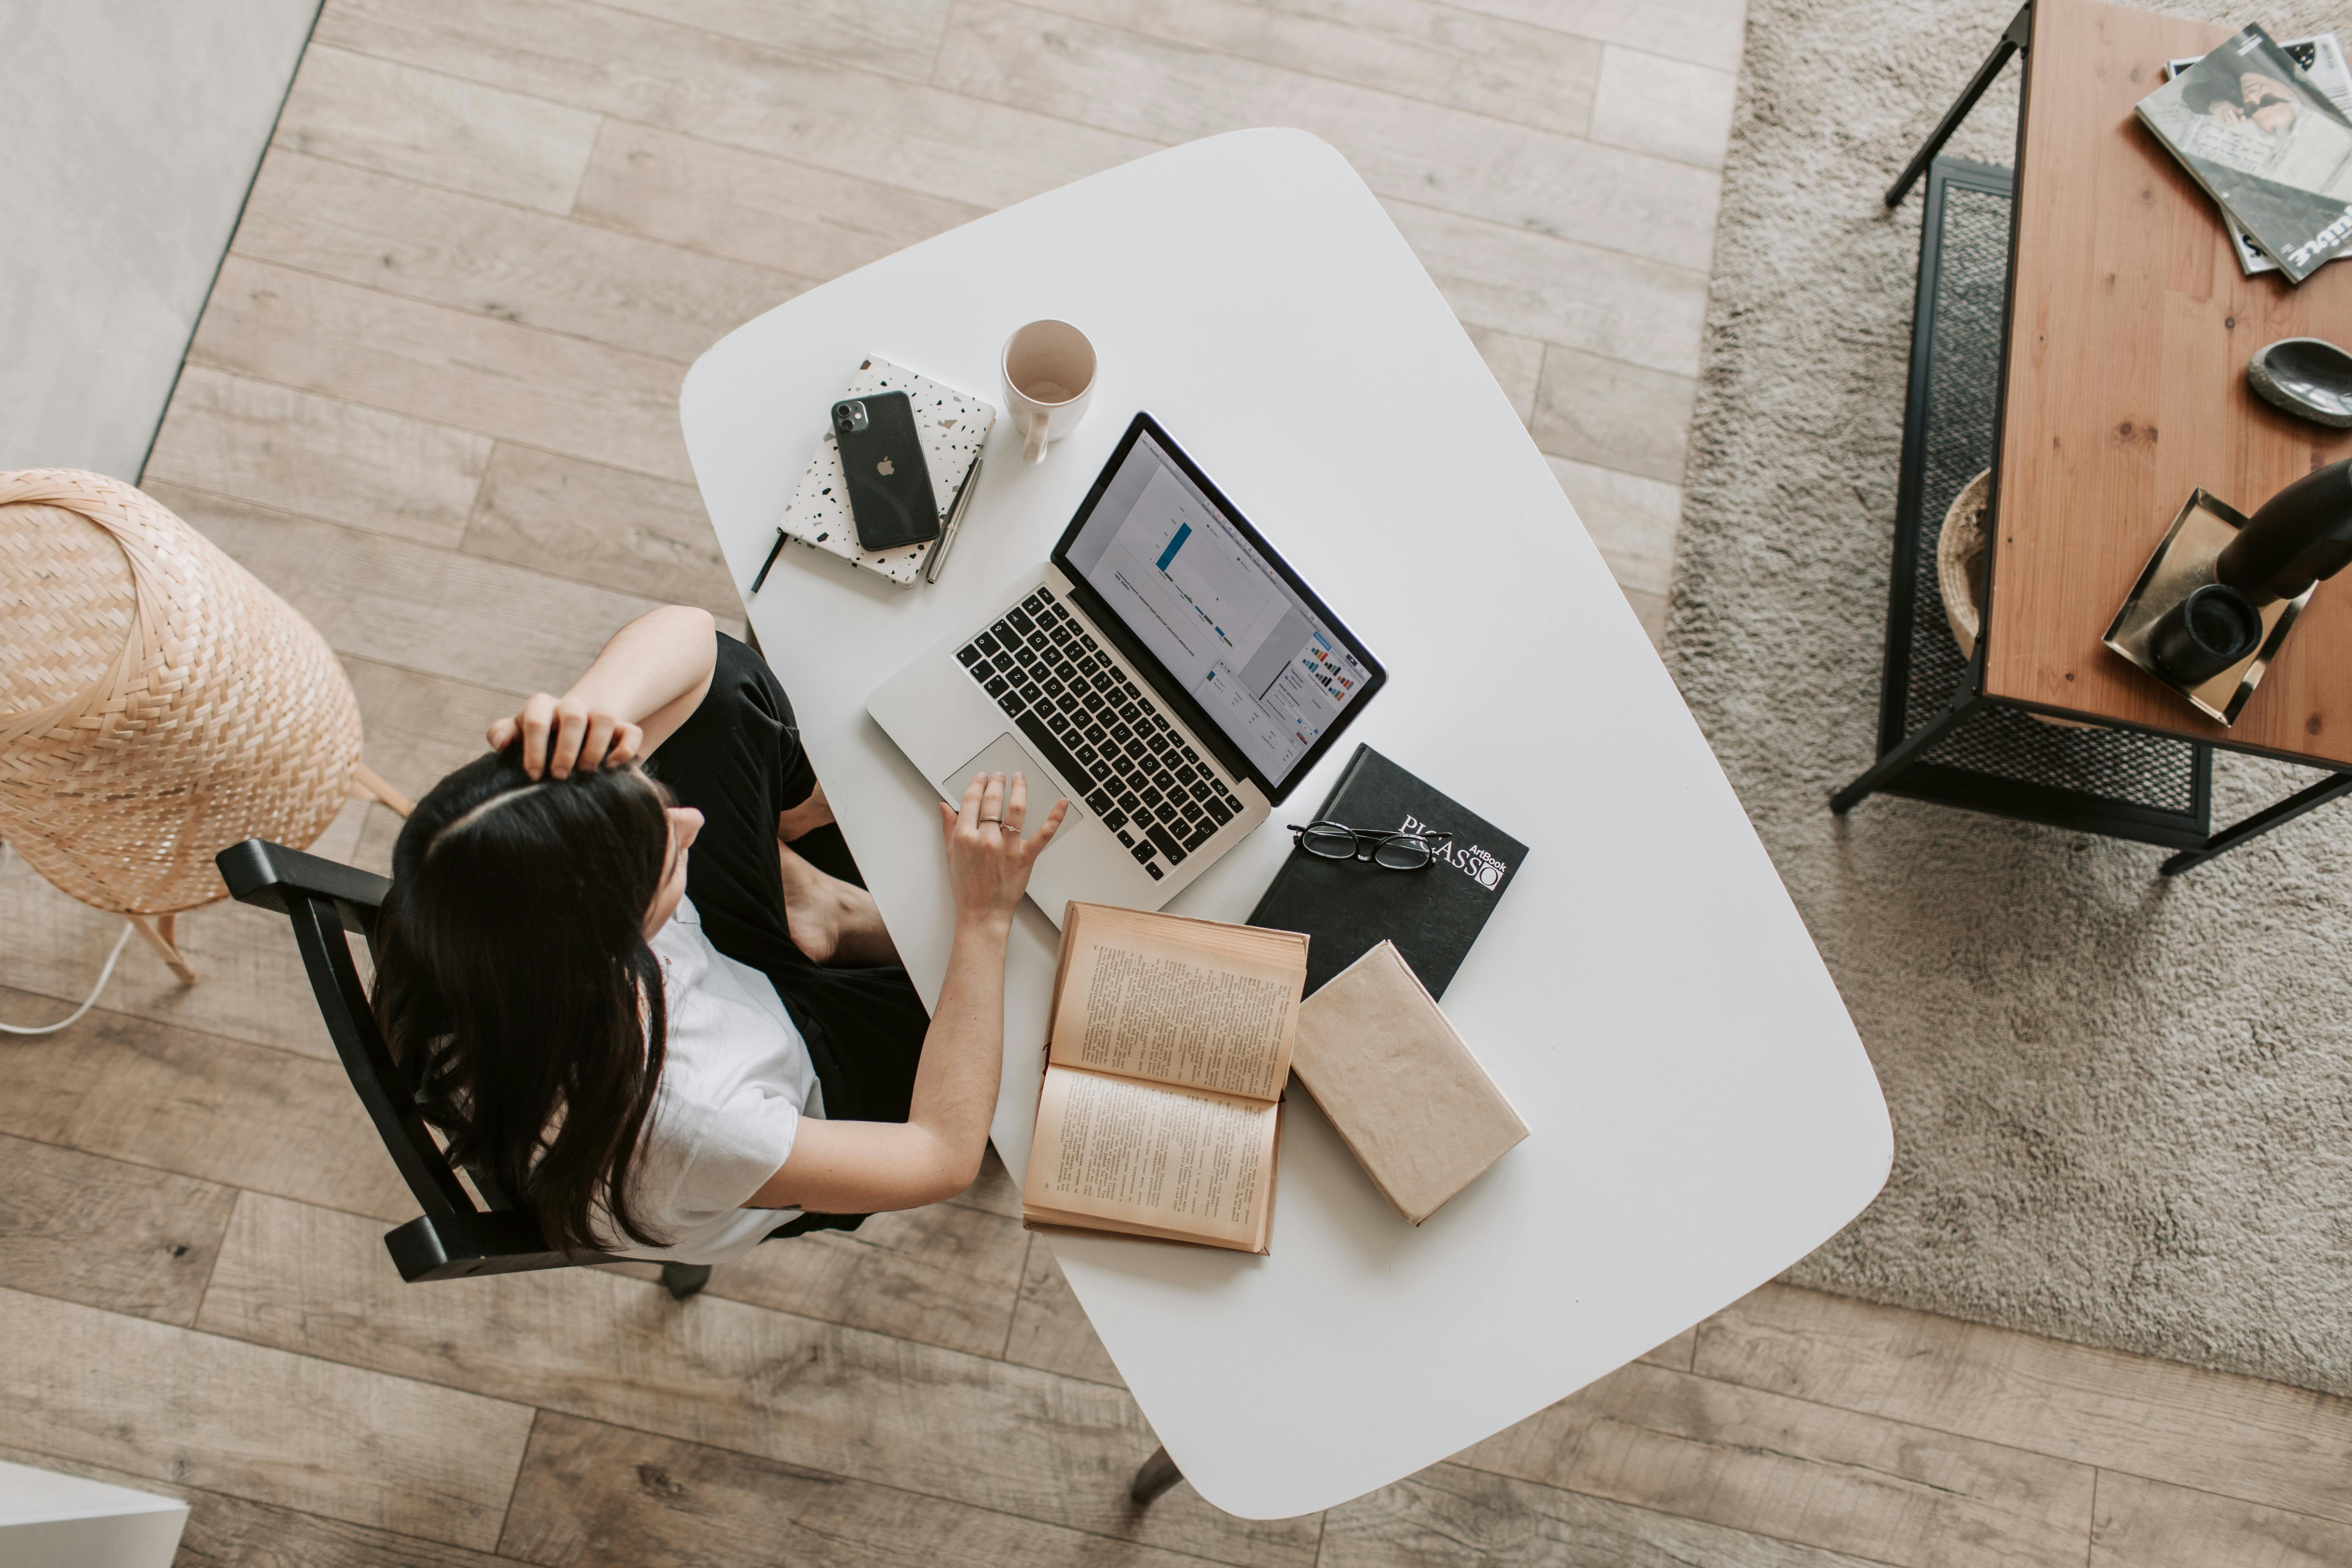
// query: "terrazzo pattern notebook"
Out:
[953,426]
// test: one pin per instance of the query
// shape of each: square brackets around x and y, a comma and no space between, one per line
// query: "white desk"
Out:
[1703,1113]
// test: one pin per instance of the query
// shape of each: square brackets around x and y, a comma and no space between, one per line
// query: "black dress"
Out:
[738,761]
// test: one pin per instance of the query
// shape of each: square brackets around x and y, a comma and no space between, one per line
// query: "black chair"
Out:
[454,1238]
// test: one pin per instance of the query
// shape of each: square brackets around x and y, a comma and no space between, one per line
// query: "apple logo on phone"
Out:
[883,467]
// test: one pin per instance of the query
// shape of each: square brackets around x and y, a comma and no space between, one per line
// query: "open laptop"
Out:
[1164,668]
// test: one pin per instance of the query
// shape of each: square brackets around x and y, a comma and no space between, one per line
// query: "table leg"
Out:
[1158,1474]
[2262,821]
[1904,755]
[2012,42]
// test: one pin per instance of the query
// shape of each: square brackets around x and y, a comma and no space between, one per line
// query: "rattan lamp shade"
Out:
[157,703]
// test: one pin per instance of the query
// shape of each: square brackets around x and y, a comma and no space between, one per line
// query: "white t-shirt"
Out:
[734,1086]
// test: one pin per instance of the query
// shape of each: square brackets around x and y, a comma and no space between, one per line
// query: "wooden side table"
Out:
[2125,325]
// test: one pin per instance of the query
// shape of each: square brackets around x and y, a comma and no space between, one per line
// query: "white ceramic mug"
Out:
[1049,379]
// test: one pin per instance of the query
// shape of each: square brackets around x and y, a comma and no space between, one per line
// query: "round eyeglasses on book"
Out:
[1390,851]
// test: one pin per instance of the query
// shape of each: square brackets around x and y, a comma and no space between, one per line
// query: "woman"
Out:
[637,1009]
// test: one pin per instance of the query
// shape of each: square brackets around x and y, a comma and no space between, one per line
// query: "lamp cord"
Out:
[89,1002]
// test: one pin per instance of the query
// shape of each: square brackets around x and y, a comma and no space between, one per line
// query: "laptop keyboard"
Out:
[1100,732]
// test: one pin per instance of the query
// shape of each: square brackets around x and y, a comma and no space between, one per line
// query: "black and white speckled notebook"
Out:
[953,426]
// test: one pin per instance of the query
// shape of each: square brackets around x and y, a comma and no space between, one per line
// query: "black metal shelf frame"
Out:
[1939,738]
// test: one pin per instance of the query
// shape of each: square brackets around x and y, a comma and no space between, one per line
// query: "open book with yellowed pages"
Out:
[1160,1114]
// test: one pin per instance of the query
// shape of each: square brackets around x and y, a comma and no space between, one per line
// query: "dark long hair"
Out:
[514,985]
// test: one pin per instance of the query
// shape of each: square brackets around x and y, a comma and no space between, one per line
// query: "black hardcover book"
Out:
[1346,907]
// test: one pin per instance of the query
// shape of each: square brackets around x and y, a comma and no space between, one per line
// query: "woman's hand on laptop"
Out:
[987,860]
[865,1167]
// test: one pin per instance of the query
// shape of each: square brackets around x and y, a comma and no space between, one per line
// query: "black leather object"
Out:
[1348,907]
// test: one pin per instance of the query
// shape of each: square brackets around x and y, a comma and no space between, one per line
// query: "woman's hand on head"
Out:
[987,860]
[562,733]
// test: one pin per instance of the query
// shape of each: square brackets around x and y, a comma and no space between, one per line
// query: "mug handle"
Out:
[1033,449]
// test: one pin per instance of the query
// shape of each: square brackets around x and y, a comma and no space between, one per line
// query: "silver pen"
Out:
[938,560]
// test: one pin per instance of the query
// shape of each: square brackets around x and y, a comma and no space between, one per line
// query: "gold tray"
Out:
[2183,564]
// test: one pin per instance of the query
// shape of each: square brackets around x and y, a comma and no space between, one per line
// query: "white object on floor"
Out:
[65,1521]
[1704,1114]
[105,974]
[133,132]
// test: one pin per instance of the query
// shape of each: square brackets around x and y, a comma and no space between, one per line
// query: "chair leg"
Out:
[1157,1475]
[684,1279]
[161,934]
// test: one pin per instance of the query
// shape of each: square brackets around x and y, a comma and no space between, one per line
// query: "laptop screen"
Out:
[1192,585]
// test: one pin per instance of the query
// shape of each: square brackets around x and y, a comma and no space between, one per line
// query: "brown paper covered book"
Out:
[1400,1087]
[1160,1114]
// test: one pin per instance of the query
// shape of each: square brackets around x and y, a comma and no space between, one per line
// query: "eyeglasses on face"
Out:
[1390,851]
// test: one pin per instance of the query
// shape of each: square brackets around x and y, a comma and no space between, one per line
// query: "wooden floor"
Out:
[432,402]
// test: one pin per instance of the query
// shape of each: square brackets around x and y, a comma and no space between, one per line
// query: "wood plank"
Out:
[448,366]
[105,1234]
[895,38]
[746,95]
[154,1400]
[217,1110]
[1664,105]
[995,1190]
[2289,1447]
[431,610]
[808,222]
[1050,1329]
[2137,323]
[337,461]
[374,853]
[1528,75]
[590,1493]
[1580,296]
[225,1531]
[419,727]
[1676,1353]
[341,835]
[1614,415]
[2148,1524]
[1650,609]
[1441,157]
[1802,1472]
[592,1342]
[484,256]
[250,987]
[422,126]
[1632,521]
[1449,1515]
[1707,31]
[947,1274]
[591,523]
[1517,364]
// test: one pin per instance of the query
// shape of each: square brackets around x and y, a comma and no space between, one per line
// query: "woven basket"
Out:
[1959,574]
[157,703]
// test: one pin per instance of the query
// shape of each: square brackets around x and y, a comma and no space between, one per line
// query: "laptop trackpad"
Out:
[1006,755]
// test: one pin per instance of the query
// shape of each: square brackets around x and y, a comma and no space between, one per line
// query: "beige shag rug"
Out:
[2123,1106]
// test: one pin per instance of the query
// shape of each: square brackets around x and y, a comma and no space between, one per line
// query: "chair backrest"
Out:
[454,1237]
